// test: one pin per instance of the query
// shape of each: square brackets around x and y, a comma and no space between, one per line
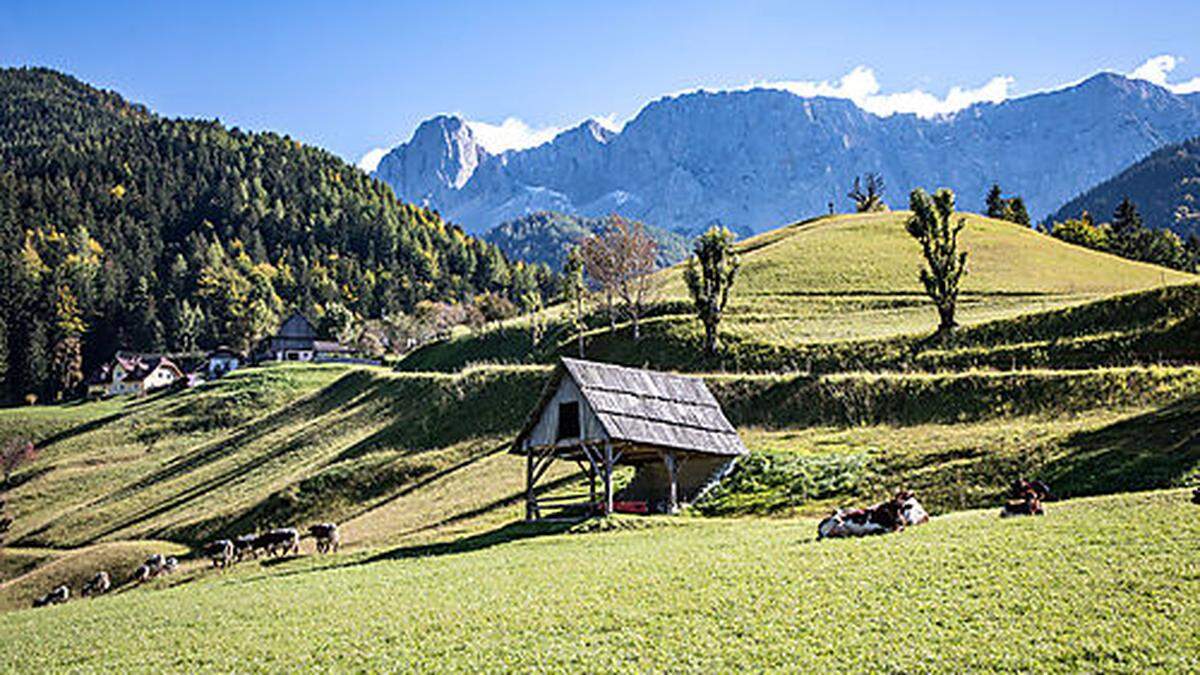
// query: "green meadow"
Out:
[1072,366]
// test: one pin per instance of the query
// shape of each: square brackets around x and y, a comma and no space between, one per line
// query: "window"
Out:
[568,420]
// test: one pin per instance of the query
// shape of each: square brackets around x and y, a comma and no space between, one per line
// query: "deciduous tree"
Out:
[867,193]
[709,275]
[932,225]
[620,261]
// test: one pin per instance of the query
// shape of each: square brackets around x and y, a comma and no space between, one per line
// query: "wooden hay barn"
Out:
[598,416]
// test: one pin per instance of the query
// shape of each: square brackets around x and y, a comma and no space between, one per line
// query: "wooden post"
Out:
[673,476]
[529,484]
[608,471]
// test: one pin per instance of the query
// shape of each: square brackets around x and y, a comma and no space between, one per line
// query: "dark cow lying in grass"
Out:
[1025,499]
[890,516]
[1196,496]
[54,597]
[98,585]
[220,552]
[279,542]
[327,537]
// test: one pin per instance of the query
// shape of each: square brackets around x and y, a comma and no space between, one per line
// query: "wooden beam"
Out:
[673,478]
[608,471]
[529,501]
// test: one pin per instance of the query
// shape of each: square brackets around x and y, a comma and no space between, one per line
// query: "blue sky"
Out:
[352,76]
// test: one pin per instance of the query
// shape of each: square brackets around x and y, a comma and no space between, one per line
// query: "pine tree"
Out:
[1017,212]
[996,206]
[1126,230]
[575,293]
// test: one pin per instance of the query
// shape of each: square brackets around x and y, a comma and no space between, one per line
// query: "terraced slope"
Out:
[833,280]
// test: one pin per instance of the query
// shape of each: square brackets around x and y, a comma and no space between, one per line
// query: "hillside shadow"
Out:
[79,430]
[1158,449]
[511,532]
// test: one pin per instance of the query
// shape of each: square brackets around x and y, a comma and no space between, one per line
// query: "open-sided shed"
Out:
[598,416]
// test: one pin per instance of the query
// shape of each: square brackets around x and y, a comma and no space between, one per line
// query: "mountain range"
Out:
[755,159]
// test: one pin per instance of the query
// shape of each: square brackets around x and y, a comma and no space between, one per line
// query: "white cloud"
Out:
[370,161]
[511,134]
[1156,69]
[861,86]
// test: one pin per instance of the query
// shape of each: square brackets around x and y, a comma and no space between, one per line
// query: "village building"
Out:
[129,373]
[599,416]
[222,361]
[297,340]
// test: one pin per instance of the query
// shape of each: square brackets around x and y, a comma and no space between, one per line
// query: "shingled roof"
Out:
[648,408]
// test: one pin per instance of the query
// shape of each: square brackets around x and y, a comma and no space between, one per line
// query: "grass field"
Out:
[1104,584]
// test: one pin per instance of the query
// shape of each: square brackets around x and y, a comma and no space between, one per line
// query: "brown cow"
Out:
[1025,499]
[98,585]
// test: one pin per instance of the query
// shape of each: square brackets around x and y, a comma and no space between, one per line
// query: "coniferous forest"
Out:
[121,229]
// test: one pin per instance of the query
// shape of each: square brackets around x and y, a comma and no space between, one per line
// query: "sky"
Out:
[356,77]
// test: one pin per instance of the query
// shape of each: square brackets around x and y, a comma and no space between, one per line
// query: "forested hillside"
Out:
[123,229]
[1165,185]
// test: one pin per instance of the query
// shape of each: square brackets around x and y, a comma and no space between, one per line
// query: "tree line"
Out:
[120,229]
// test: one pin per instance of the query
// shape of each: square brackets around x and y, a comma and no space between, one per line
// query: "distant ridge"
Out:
[762,158]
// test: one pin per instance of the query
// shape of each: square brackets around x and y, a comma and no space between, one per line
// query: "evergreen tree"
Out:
[709,276]
[996,205]
[575,294]
[1126,228]
[1017,212]
[931,225]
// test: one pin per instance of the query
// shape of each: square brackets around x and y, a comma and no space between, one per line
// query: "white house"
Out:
[133,374]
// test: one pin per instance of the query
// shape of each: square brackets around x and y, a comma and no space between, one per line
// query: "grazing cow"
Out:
[327,536]
[911,510]
[155,564]
[170,565]
[243,547]
[220,552]
[1196,496]
[142,574]
[879,519]
[279,542]
[98,585]
[54,597]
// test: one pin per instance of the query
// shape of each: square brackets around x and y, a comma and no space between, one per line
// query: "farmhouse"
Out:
[598,416]
[129,373]
[297,340]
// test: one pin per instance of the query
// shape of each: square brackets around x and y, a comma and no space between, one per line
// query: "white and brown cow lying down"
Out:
[890,516]
[97,585]
[1025,499]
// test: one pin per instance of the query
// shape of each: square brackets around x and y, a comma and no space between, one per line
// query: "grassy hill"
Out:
[844,285]
[1105,584]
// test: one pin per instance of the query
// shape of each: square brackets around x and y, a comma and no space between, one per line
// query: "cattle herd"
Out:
[222,553]
[1025,498]
[903,510]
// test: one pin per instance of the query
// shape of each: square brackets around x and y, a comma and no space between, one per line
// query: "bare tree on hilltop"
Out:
[867,193]
[620,262]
